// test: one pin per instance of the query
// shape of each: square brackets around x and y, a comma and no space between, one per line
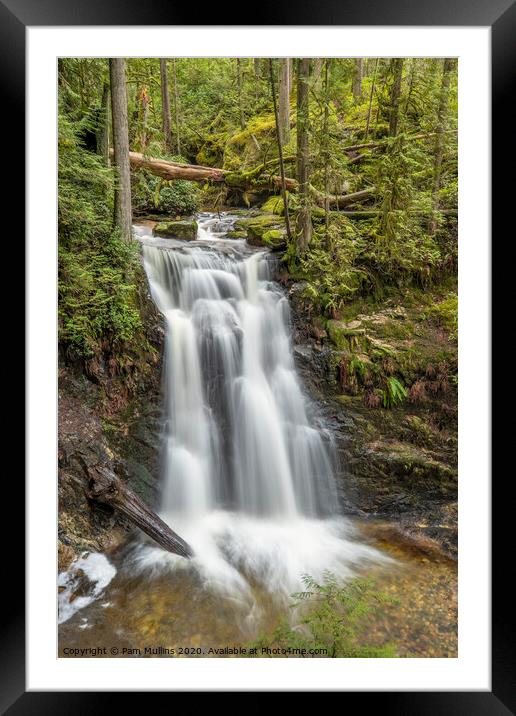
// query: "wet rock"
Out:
[185,230]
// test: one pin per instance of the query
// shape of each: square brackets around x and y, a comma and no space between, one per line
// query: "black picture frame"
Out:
[500,15]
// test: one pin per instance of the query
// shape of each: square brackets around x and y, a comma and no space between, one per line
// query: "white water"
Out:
[247,480]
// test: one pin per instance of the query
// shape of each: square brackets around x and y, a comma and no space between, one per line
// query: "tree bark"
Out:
[326,152]
[165,103]
[103,135]
[439,141]
[176,107]
[304,218]
[123,212]
[397,68]
[240,100]
[105,487]
[371,95]
[280,150]
[357,80]
[284,100]
[317,73]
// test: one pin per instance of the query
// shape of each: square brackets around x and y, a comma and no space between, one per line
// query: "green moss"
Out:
[275,205]
[446,314]
[340,332]
[275,239]
[266,220]
[186,230]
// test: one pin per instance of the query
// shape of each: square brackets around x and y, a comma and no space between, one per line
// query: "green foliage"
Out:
[151,194]
[331,276]
[394,393]
[96,281]
[359,256]
[446,314]
[332,622]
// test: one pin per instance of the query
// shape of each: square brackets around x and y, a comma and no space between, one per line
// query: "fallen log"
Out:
[339,201]
[172,170]
[253,180]
[105,487]
[379,142]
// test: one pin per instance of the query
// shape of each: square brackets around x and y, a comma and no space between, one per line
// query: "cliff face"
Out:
[109,414]
[385,376]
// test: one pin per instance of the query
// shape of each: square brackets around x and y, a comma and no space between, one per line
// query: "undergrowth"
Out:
[332,621]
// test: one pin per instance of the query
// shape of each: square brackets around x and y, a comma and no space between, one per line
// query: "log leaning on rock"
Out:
[105,487]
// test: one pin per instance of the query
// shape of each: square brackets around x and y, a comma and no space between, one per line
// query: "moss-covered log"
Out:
[253,180]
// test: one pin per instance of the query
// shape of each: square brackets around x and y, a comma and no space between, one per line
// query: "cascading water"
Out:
[247,480]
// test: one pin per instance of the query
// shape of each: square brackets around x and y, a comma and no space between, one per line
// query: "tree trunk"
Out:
[143,101]
[284,100]
[357,80]
[165,103]
[373,85]
[103,134]
[280,149]
[123,212]
[317,73]
[176,107]
[439,142]
[326,152]
[397,68]
[304,218]
[240,100]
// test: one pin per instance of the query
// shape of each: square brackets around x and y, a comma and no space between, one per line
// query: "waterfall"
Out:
[247,480]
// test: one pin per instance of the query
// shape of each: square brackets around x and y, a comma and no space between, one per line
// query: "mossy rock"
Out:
[262,225]
[340,332]
[268,221]
[274,205]
[236,234]
[276,239]
[186,230]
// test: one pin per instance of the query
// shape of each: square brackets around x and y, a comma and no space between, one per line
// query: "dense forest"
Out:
[372,144]
[345,172]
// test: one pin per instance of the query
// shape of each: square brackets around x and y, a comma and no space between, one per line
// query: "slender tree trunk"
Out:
[357,80]
[123,212]
[240,100]
[284,100]
[326,152]
[412,78]
[371,95]
[317,73]
[280,151]
[176,108]
[397,68]
[165,103]
[304,218]
[257,68]
[143,113]
[380,99]
[103,135]
[439,141]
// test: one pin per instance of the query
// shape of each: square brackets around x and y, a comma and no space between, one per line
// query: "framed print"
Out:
[258,354]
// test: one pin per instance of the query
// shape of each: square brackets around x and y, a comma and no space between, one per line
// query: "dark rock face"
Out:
[400,464]
[109,415]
